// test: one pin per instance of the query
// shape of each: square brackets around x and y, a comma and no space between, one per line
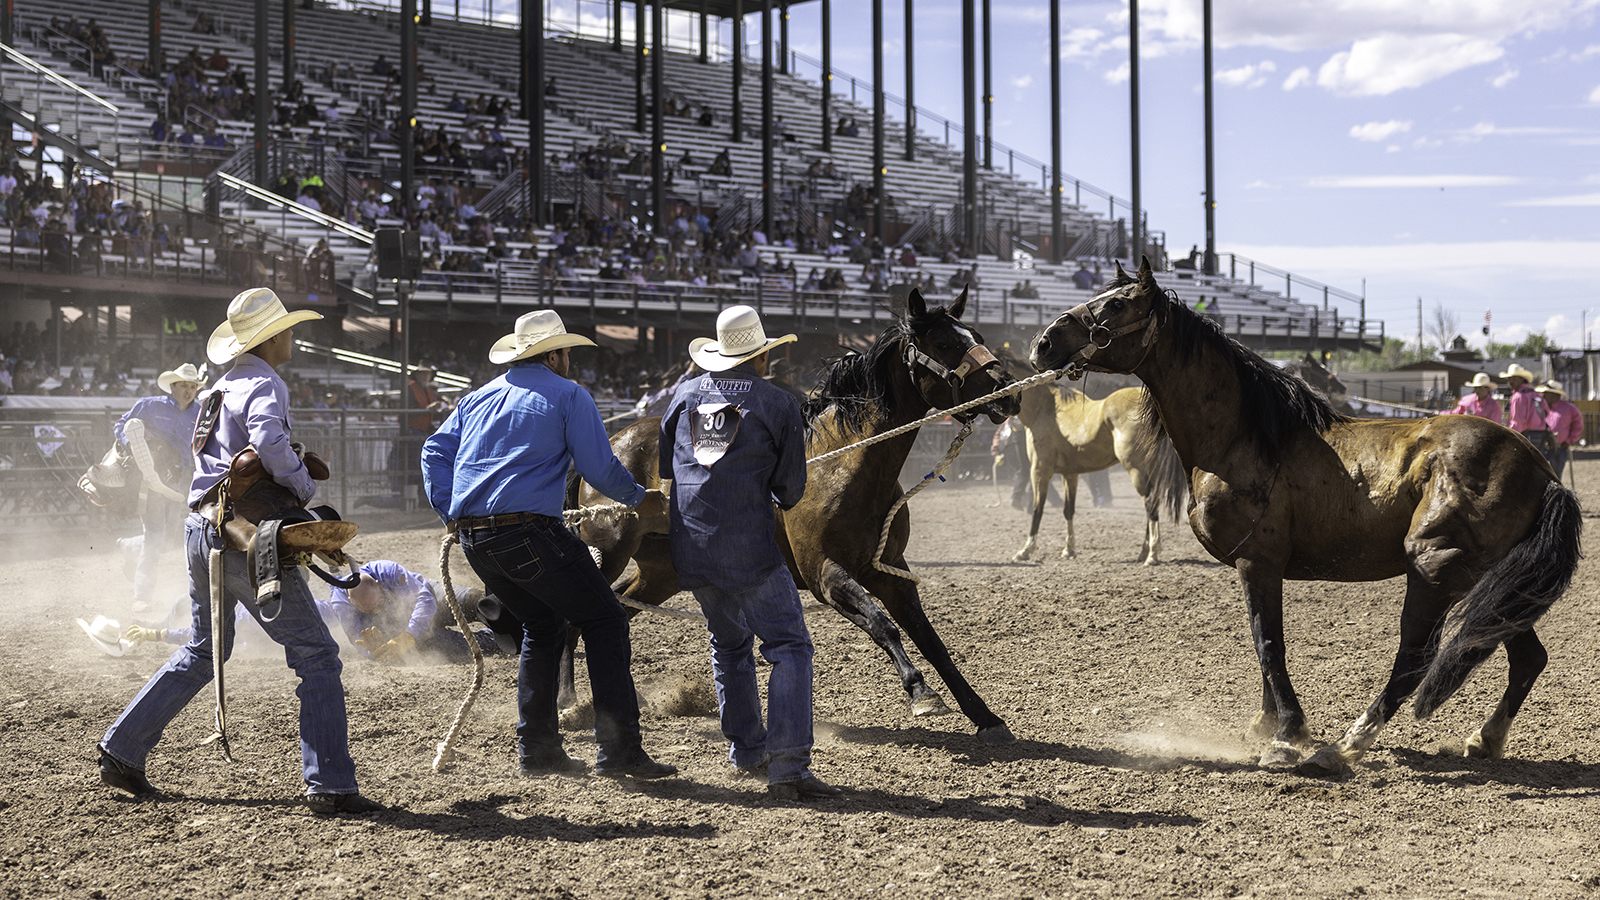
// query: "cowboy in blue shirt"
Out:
[157,432]
[496,471]
[732,443]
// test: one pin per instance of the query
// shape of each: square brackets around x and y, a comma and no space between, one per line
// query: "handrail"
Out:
[381,363]
[28,63]
[326,221]
[1289,279]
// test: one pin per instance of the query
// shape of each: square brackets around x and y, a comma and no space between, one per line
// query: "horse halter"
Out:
[976,359]
[1101,336]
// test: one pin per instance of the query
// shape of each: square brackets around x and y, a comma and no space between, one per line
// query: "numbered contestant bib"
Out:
[712,429]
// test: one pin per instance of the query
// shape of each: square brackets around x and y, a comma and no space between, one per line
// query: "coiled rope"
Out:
[446,747]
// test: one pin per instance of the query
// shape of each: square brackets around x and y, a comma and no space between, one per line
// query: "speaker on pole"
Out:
[399,253]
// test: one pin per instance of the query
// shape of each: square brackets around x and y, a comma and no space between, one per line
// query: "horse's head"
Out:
[948,360]
[1111,333]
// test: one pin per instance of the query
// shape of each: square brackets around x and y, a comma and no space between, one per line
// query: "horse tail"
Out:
[1169,480]
[1508,599]
[569,497]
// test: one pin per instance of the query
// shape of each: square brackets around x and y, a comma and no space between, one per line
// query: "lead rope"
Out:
[446,748]
[938,472]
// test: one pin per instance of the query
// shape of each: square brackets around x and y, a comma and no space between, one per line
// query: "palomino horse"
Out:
[925,359]
[1069,434]
[1284,487]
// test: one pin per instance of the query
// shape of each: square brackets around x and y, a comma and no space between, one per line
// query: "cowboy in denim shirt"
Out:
[733,443]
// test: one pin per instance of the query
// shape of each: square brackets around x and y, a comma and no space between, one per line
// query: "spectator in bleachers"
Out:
[217,62]
[1083,279]
[707,117]
[308,198]
[908,257]
[848,127]
[214,139]
[723,165]
[203,23]
[381,67]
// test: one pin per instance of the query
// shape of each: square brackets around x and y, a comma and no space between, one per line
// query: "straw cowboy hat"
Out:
[1481,380]
[1517,371]
[537,332]
[1552,387]
[739,337]
[254,316]
[106,634]
[186,372]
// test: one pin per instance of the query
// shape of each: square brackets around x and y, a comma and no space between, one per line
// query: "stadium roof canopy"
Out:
[721,8]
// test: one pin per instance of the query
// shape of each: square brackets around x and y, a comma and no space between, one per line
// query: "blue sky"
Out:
[1447,149]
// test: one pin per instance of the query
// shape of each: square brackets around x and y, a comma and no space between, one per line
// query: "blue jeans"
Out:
[546,578]
[160,518]
[308,647]
[770,611]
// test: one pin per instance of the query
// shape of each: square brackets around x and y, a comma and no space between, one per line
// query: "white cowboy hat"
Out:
[106,634]
[1552,387]
[1517,371]
[537,332]
[186,372]
[253,317]
[1481,380]
[739,337]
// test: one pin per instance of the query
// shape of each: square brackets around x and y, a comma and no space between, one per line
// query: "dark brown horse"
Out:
[830,536]
[1281,486]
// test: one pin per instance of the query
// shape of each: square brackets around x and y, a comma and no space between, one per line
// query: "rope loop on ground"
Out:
[446,748]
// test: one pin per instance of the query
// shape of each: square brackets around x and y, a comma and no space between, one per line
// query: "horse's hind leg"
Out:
[1151,553]
[1527,657]
[1069,505]
[1041,491]
[846,595]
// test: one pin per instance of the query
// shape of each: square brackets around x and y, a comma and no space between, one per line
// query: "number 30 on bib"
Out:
[712,428]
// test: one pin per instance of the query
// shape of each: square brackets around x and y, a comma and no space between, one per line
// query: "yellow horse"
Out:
[1069,434]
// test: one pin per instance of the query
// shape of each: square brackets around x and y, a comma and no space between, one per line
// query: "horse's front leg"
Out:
[1151,553]
[1070,505]
[842,592]
[1041,492]
[1280,707]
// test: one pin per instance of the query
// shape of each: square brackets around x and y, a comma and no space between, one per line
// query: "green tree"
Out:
[1536,344]
[1395,353]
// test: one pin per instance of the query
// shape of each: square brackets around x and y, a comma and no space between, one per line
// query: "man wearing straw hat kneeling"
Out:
[496,472]
[247,407]
[733,443]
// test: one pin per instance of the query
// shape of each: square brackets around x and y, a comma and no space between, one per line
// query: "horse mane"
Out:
[1273,403]
[857,385]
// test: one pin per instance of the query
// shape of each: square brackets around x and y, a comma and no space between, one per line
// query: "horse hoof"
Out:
[1328,762]
[931,705]
[996,734]
[1069,554]
[1261,727]
[1480,747]
[1022,555]
[1279,756]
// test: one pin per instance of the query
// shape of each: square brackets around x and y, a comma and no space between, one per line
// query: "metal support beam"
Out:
[877,121]
[263,89]
[911,96]
[1135,219]
[639,54]
[658,189]
[705,30]
[988,95]
[783,37]
[533,103]
[827,75]
[738,70]
[969,126]
[767,185]
[1209,266]
[408,110]
[288,46]
[153,48]
[1056,237]
[616,25]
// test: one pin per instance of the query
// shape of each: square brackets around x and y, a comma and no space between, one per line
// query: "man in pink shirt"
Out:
[1564,421]
[1481,401]
[1527,411]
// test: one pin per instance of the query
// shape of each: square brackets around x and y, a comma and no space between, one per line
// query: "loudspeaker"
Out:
[399,253]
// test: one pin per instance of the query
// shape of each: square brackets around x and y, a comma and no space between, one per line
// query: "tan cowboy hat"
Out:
[186,372]
[1517,371]
[739,337]
[1552,387]
[106,634]
[1481,380]
[537,332]
[253,317]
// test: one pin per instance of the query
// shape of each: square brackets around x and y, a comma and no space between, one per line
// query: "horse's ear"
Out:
[960,306]
[1122,274]
[1146,277]
[915,305]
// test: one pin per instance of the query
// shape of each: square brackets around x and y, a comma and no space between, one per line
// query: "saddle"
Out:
[272,527]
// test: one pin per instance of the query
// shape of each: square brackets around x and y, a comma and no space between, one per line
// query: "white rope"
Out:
[446,747]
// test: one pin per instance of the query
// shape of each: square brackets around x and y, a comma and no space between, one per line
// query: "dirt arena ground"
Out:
[1127,688]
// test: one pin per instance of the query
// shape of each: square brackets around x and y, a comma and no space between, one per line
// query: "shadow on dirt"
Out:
[1456,771]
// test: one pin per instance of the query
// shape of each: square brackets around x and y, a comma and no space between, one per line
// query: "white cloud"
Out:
[1257,184]
[1585,53]
[1504,78]
[1393,148]
[1080,42]
[1253,76]
[1298,78]
[1594,95]
[1412,181]
[1567,200]
[1390,63]
[1120,74]
[1377,131]
[1022,82]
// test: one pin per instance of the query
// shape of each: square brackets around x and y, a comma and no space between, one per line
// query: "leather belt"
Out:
[478,523]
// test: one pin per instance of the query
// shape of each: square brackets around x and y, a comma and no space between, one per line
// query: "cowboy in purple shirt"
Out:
[257,338]
[733,443]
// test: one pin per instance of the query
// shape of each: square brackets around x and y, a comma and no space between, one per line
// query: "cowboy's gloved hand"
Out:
[394,651]
[371,640]
[136,635]
[299,449]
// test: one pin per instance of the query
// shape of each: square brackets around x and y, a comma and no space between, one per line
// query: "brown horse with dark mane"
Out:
[1282,486]
[925,359]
